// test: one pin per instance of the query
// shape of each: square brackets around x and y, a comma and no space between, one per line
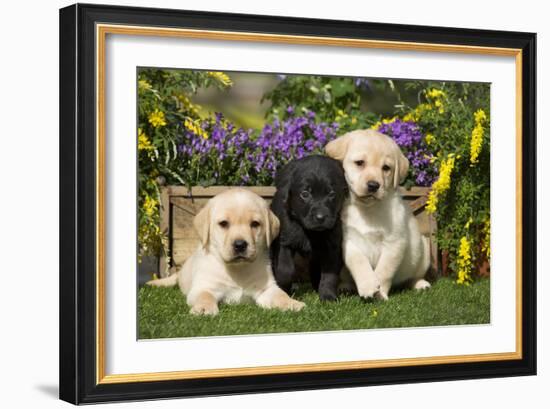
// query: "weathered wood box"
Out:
[179,205]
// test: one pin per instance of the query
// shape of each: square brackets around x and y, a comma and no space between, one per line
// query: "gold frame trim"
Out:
[102,30]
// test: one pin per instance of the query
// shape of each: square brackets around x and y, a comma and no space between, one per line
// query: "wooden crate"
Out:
[179,205]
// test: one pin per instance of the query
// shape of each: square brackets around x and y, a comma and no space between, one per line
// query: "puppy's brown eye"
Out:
[359,163]
[386,168]
[305,195]
[224,224]
[255,224]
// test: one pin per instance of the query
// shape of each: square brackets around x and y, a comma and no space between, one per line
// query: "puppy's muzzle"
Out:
[320,217]
[240,247]
[372,186]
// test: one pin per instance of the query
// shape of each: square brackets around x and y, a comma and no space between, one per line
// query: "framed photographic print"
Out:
[257,203]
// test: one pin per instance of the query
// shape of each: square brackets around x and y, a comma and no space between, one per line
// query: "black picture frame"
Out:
[78,258]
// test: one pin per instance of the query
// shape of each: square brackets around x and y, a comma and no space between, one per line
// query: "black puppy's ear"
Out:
[283,180]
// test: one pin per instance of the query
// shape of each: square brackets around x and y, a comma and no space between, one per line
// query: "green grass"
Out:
[163,312]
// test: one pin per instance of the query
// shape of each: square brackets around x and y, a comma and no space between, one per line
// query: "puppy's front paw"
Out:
[381,295]
[292,305]
[204,309]
[328,295]
[368,291]
[421,285]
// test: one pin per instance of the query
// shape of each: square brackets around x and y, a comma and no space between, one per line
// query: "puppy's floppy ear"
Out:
[401,168]
[272,226]
[338,147]
[201,222]
[283,181]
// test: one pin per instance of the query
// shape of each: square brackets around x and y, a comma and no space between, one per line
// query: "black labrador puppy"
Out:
[309,198]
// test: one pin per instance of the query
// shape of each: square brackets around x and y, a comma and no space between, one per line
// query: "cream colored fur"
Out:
[382,243]
[214,273]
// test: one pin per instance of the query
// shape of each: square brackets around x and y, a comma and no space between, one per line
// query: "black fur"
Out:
[310,222]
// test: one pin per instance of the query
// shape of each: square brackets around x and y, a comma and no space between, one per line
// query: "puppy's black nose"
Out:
[320,217]
[240,246]
[372,186]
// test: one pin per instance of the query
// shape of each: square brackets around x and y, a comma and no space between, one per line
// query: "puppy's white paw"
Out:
[421,285]
[381,295]
[204,309]
[294,305]
[368,291]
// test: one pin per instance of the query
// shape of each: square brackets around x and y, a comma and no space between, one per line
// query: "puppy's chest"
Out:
[370,231]
[242,287]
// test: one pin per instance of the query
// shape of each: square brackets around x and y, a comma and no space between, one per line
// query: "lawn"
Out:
[163,312]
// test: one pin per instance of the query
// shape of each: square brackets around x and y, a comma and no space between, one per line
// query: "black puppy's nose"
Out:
[372,186]
[320,217]
[240,246]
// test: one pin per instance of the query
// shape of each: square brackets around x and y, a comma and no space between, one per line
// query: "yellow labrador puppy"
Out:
[382,242]
[231,264]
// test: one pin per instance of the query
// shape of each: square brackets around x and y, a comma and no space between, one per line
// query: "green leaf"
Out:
[341,87]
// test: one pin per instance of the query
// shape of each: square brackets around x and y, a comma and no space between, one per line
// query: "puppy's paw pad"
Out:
[422,285]
[204,309]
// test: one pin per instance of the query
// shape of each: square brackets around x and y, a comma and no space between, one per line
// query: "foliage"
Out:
[163,109]
[455,119]
[334,99]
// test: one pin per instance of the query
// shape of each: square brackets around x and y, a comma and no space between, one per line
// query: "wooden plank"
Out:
[264,191]
[199,191]
[182,249]
[414,191]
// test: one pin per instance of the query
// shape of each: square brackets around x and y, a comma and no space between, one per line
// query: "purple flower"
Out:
[410,139]
[233,155]
[362,83]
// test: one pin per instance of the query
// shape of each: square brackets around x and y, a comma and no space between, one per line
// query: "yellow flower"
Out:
[408,117]
[435,93]
[221,77]
[195,128]
[477,135]
[353,120]
[438,104]
[464,261]
[144,85]
[442,184]
[429,138]
[437,96]
[143,141]
[149,205]
[486,241]
[157,119]
[375,313]
[384,121]
[480,115]
[188,105]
